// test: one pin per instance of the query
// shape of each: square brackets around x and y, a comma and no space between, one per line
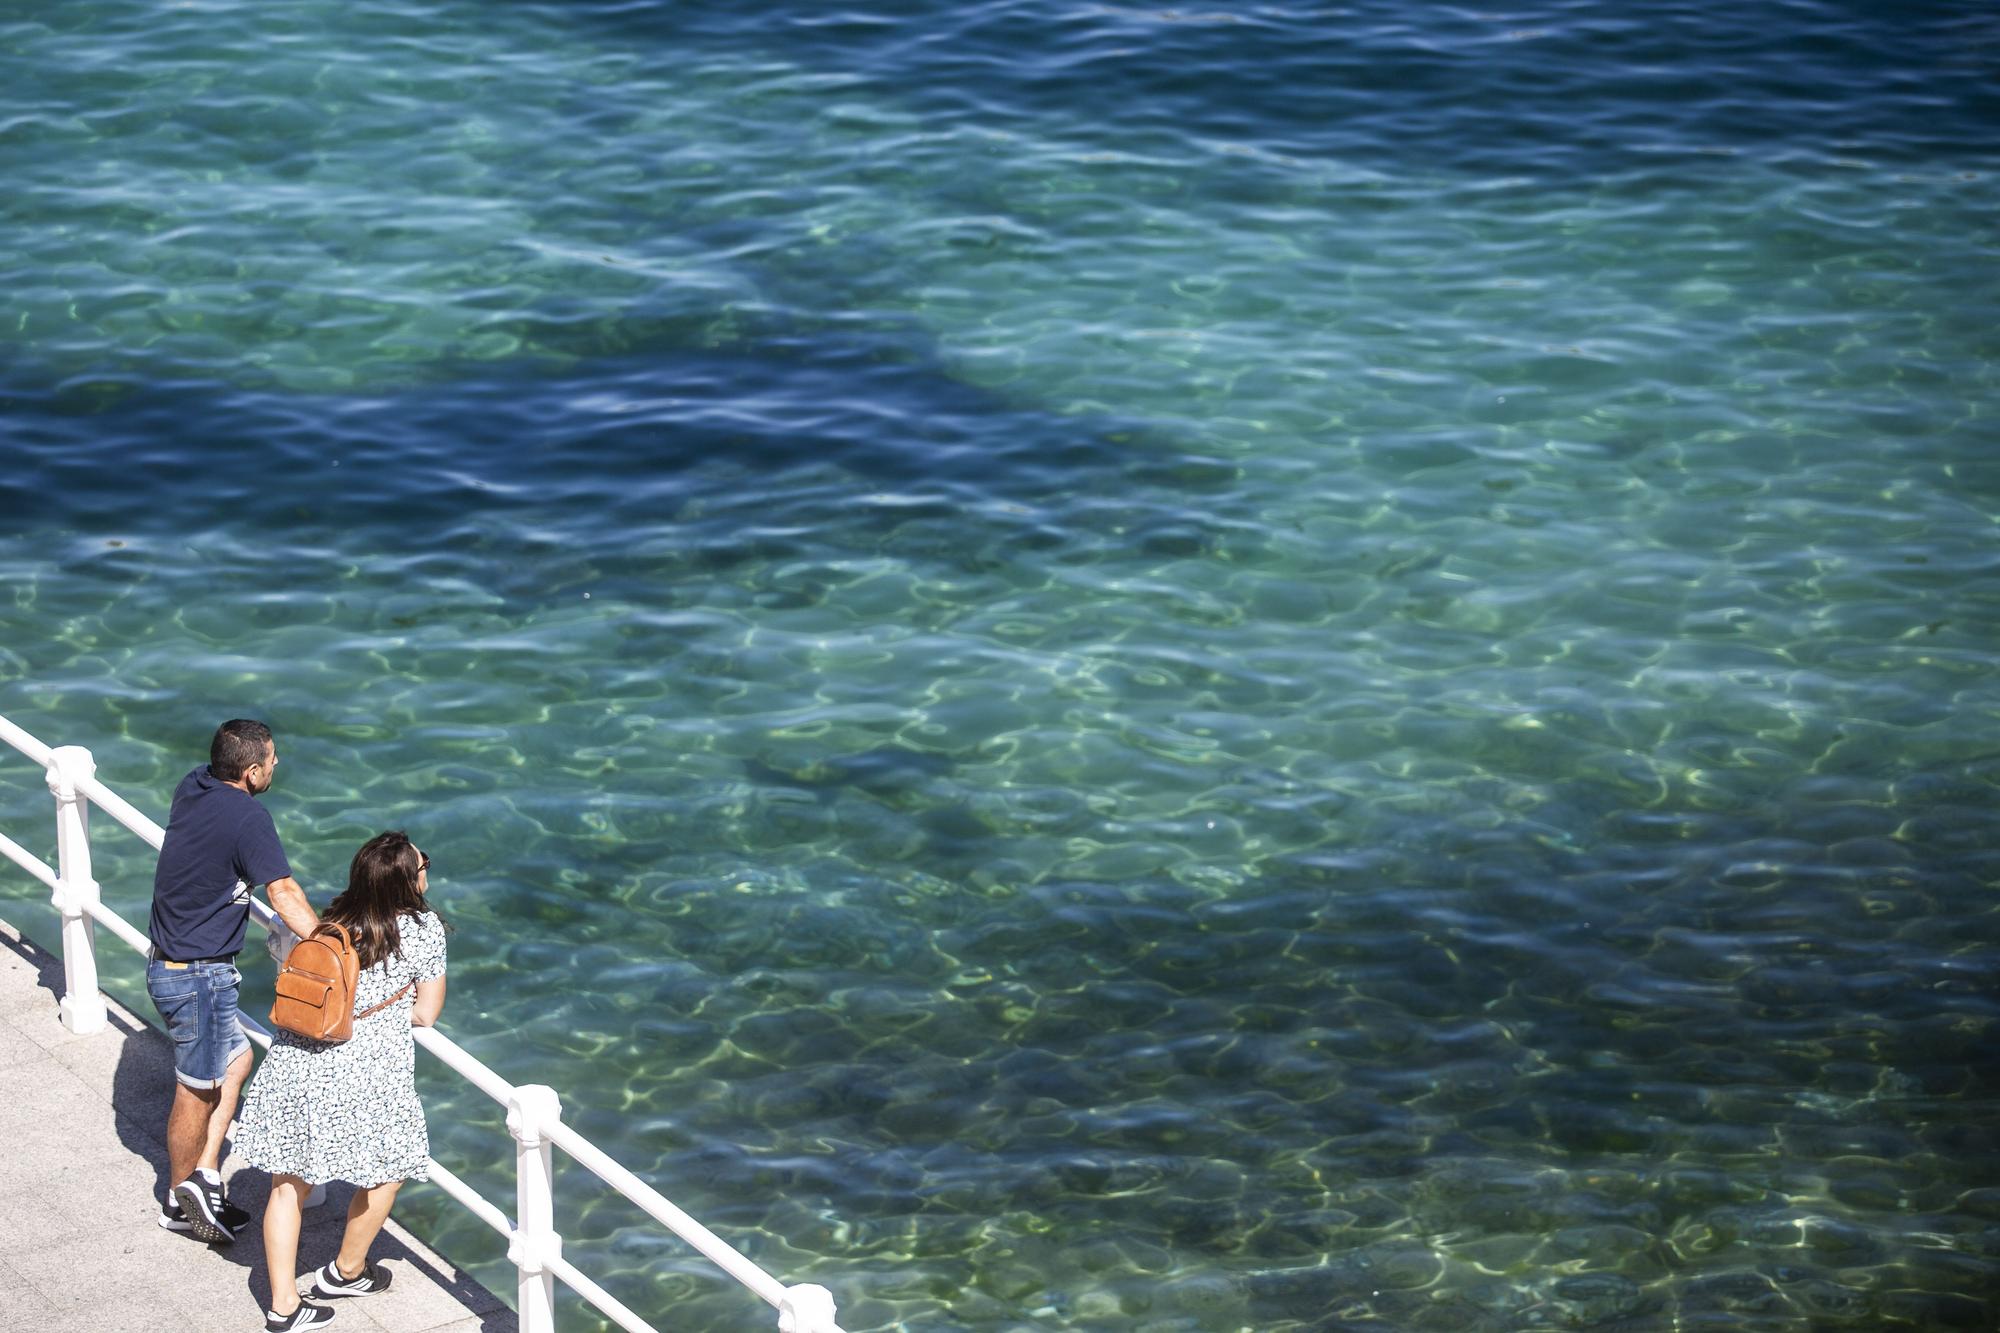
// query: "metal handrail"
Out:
[533,1110]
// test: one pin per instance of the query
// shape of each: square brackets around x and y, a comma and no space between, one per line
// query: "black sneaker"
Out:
[307,1315]
[205,1210]
[328,1282]
[174,1218]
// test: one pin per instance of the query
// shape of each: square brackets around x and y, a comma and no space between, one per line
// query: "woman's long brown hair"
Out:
[381,886]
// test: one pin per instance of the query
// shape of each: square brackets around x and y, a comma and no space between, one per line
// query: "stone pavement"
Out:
[83,1166]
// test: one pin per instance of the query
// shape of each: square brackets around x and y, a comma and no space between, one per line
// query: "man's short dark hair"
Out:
[238,744]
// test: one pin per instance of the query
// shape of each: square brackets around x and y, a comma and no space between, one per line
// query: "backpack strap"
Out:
[374,1008]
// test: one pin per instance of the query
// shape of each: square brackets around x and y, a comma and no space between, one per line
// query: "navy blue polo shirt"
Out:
[220,843]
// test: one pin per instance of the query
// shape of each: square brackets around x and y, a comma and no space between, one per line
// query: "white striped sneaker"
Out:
[307,1315]
[202,1205]
[328,1282]
[174,1218]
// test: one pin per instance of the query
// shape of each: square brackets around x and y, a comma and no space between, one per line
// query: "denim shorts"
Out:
[198,1002]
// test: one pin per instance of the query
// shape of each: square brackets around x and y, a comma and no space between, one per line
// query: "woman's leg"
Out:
[281,1241]
[366,1213]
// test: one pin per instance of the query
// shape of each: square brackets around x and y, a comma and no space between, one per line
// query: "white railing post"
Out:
[807,1309]
[76,892]
[531,1110]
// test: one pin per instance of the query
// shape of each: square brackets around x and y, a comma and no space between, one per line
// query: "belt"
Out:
[158,957]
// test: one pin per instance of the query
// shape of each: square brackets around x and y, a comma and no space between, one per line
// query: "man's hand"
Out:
[288,900]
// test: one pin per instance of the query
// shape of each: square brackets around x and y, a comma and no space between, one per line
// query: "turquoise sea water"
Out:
[1074,665]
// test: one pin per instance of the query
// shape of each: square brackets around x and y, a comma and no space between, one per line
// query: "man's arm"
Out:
[288,900]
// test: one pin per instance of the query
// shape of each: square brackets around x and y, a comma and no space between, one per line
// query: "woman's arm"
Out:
[429,1003]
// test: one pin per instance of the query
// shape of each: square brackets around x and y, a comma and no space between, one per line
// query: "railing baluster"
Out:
[807,1308]
[76,895]
[533,1109]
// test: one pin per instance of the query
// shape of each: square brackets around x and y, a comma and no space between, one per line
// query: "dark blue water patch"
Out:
[615,444]
[1562,88]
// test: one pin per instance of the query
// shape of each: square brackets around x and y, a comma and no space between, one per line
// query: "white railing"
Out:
[534,1113]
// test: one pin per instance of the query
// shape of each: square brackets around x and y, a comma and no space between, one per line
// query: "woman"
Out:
[321,1111]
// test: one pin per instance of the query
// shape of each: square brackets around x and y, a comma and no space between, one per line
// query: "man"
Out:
[219,843]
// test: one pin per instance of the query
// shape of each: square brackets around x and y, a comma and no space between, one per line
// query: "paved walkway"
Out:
[83,1165]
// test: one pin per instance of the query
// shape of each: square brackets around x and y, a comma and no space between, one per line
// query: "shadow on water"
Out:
[626,439]
[1394,86]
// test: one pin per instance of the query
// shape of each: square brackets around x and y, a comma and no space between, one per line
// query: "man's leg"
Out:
[213,1057]
[223,1110]
[181,995]
[187,1130]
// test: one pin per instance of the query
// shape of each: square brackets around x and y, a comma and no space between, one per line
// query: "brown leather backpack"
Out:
[316,986]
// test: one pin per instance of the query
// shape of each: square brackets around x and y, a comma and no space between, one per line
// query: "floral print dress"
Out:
[349,1110]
